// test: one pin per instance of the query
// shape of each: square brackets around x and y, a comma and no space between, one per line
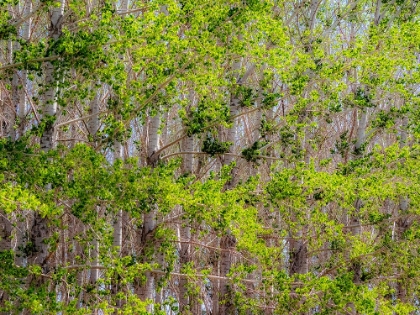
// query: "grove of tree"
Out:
[210,157]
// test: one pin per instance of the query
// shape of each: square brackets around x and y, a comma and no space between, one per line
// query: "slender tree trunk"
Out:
[187,167]
[118,228]
[188,160]
[117,242]
[21,112]
[185,300]
[119,154]
[404,221]
[5,232]
[21,220]
[8,131]
[94,272]
[93,123]
[354,221]
[228,241]
[7,126]
[298,243]
[356,228]
[298,254]
[118,220]
[50,97]
[11,131]
[82,276]
[361,133]
[149,218]
[40,230]
[93,127]
[12,46]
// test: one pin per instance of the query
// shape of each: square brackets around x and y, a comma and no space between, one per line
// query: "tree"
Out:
[240,157]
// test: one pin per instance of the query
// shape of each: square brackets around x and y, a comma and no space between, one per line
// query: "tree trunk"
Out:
[149,218]
[185,300]
[93,127]
[21,111]
[356,228]
[118,228]
[51,83]
[403,222]
[21,237]
[93,124]
[41,230]
[228,241]
[298,255]
[8,131]
[5,232]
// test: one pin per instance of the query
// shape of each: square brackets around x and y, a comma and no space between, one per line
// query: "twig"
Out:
[43,59]
[80,118]
[25,18]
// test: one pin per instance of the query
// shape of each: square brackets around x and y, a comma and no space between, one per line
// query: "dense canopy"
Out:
[209,157]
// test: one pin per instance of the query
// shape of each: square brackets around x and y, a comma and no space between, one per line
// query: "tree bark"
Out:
[21,111]
[22,218]
[7,125]
[41,231]
[118,229]
[149,218]
[186,302]
[228,241]
[354,218]
[404,221]
[93,127]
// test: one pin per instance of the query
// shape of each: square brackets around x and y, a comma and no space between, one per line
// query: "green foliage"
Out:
[213,146]
[342,146]
[251,154]
[207,113]
[7,31]
[312,69]
[270,100]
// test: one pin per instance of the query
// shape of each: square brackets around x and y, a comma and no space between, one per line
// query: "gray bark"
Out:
[11,120]
[404,221]
[18,107]
[40,230]
[118,221]
[117,243]
[94,273]
[185,301]
[188,160]
[153,140]
[5,232]
[93,126]
[6,125]
[184,257]
[10,111]
[234,108]
[21,111]
[298,255]
[361,133]
[356,227]
[118,227]
[50,97]
[149,218]
[228,241]
[118,154]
